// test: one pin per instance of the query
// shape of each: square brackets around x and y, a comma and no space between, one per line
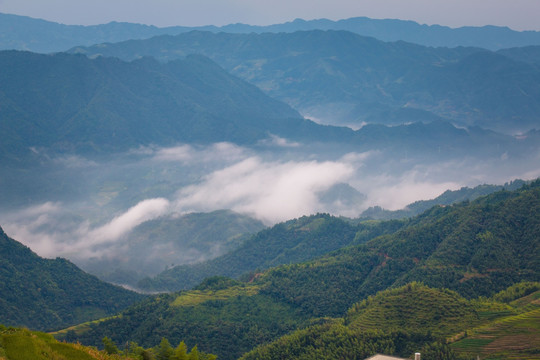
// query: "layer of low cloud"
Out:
[49,230]
[269,191]
[269,187]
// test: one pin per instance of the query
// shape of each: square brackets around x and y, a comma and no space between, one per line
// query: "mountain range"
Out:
[25,33]
[104,148]
[71,104]
[339,77]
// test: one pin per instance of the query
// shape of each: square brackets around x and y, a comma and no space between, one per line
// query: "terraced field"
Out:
[513,337]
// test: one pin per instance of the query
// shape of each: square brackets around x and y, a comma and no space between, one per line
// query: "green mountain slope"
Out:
[23,344]
[286,243]
[347,77]
[474,248]
[208,317]
[50,294]
[400,322]
[414,308]
[72,103]
[516,336]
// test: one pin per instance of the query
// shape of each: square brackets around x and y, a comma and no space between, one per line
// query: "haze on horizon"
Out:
[517,14]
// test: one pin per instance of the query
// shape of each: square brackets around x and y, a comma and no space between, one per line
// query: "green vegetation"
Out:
[413,308]
[23,344]
[51,294]
[509,337]
[409,319]
[517,291]
[473,249]
[291,242]
[201,319]
[399,322]
[196,297]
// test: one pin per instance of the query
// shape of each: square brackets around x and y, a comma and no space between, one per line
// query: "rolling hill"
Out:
[291,242]
[474,248]
[48,294]
[403,321]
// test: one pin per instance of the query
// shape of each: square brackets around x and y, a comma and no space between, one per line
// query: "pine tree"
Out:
[165,350]
[180,353]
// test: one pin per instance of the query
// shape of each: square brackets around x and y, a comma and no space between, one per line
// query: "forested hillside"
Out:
[70,103]
[474,248]
[50,294]
[23,344]
[285,243]
[403,321]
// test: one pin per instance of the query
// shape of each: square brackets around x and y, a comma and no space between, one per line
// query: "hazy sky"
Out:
[517,14]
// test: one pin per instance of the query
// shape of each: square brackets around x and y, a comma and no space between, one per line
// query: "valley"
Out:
[310,189]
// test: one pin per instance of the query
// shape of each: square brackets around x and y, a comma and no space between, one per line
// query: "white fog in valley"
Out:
[86,209]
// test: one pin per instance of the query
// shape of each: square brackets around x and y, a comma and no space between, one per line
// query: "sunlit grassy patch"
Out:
[195,297]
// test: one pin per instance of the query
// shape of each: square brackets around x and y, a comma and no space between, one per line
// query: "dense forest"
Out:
[290,242]
[401,321]
[48,294]
[306,238]
[475,248]
[23,344]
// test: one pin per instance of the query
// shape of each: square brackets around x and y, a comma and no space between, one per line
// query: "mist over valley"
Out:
[268,184]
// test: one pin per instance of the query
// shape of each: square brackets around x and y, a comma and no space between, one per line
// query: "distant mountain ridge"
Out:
[447,198]
[50,294]
[69,103]
[342,78]
[25,33]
